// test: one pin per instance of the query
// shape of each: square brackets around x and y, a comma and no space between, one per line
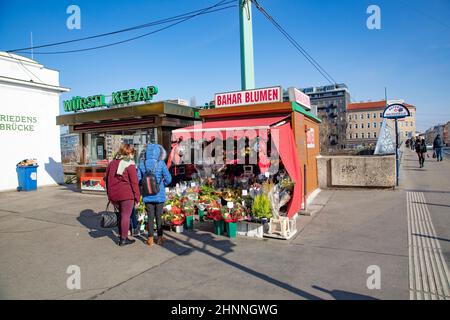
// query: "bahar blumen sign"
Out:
[248,97]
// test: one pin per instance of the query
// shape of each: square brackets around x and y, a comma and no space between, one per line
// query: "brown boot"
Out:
[150,241]
[160,240]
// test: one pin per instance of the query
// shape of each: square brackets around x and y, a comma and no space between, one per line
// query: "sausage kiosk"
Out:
[260,112]
[130,117]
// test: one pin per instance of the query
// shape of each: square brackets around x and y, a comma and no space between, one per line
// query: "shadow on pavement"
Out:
[91,220]
[344,295]
[430,237]
[433,204]
[226,246]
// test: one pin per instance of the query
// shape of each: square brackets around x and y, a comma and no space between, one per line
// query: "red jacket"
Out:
[122,187]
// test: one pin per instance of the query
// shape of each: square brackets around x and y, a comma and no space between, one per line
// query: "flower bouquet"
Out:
[214,211]
[187,206]
[177,219]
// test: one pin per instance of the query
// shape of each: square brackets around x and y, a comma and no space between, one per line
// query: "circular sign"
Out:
[396,111]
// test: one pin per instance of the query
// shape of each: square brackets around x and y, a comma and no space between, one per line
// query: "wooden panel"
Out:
[307,156]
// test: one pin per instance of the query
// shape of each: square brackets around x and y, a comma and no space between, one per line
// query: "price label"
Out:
[230,205]
[244,192]
[192,184]
[169,207]
[267,174]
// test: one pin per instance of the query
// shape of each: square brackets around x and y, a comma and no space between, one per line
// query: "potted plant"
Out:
[261,207]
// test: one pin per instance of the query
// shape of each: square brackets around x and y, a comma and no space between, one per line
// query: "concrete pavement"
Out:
[42,233]
[428,200]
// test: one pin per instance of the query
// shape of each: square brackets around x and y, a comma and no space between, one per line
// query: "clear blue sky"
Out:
[410,54]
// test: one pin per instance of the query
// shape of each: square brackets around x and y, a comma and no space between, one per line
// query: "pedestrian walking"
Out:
[123,189]
[153,167]
[438,144]
[421,149]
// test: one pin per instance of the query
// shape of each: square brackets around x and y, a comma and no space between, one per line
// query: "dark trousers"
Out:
[125,209]
[133,220]
[438,154]
[421,158]
[154,210]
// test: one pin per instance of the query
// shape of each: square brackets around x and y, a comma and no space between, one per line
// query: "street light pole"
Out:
[397,165]
[246,37]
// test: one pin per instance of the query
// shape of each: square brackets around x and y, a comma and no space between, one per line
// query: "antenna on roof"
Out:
[31,38]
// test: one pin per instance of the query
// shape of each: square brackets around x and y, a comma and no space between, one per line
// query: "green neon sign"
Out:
[120,97]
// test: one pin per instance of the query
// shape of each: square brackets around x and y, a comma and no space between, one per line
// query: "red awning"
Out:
[226,128]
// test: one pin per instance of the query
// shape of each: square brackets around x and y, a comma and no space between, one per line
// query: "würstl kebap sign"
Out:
[119,97]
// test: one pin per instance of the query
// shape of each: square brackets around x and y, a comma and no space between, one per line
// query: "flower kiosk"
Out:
[255,161]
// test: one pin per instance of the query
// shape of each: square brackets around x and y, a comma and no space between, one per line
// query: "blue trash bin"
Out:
[27,176]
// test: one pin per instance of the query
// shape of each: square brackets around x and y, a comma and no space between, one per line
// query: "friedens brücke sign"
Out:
[396,111]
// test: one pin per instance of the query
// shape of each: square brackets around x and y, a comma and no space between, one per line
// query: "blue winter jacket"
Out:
[155,154]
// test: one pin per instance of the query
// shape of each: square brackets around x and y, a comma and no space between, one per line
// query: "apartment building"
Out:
[364,122]
[331,103]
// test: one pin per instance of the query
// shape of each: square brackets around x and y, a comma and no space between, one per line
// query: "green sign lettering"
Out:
[120,97]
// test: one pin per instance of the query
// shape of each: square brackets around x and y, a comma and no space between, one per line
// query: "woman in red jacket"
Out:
[123,188]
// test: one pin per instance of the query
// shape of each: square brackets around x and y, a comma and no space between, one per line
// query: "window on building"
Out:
[362,135]
[368,135]
[374,134]
[355,117]
[406,134]
[374,115]
[350,125]
[362,116]
[356,126]
[349,117]
[374,124]
[381,124]
[350,136]
[381,114]
[368,125]
[368,116]
[356,135]
[362,125]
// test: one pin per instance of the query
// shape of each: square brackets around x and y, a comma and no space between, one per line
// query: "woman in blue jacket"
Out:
[154,156]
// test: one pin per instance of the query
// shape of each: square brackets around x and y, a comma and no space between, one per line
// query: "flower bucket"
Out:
[231,229]
[201,215]
[218,227]
[189,222]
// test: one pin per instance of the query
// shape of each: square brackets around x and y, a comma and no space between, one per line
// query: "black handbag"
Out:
[110,219]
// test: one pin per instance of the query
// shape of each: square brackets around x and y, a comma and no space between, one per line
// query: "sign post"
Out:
[396,111]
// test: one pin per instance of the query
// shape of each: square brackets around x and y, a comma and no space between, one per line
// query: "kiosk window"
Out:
[103,146]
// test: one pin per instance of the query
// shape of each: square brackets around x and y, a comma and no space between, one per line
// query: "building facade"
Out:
[364,121]
[30,102]
[432,132]
[331,104]
[446,134]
